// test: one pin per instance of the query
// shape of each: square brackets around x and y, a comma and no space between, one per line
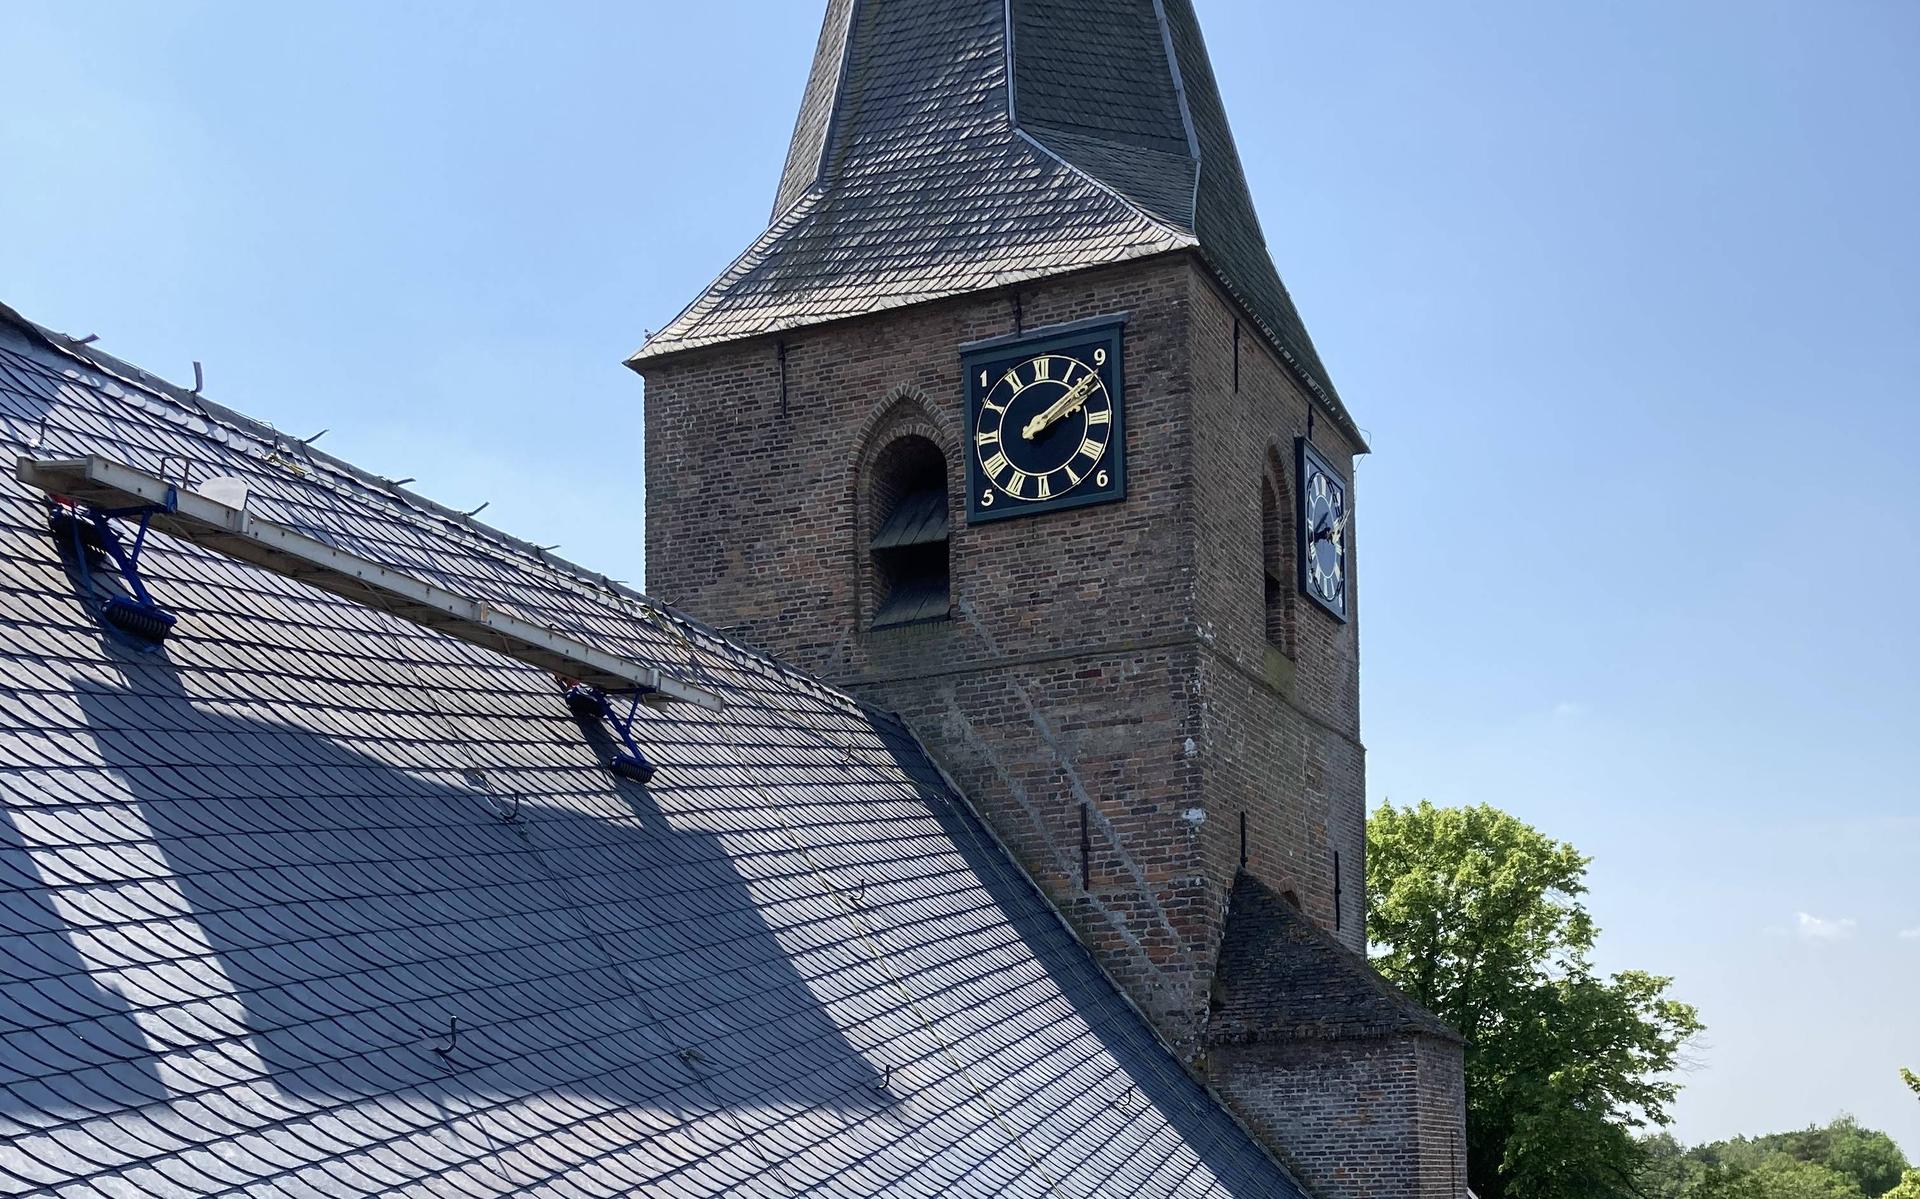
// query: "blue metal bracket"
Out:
[138,616]
[588,702]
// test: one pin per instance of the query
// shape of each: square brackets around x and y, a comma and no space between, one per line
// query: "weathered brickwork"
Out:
[1359,1119]
[1104,689]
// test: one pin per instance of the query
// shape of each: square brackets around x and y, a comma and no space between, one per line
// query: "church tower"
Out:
[1007,423]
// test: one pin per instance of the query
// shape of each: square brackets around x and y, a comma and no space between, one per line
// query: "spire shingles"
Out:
[916,173]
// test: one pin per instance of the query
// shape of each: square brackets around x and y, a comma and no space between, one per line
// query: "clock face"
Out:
[1044,422]
[1323,531]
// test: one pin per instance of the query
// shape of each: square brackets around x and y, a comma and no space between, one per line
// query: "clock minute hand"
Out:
[1331,531]
[1076,395]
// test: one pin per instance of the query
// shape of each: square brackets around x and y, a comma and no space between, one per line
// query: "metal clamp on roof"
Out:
[589,702]
[109,486]
[88,530]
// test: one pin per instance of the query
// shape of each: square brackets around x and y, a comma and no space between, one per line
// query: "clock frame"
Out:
[1046,425]
[1322,515]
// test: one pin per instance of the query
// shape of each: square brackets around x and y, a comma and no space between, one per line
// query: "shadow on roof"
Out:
[354,910]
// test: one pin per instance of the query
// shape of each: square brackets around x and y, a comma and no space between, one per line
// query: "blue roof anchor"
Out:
[589,702]
[137,615]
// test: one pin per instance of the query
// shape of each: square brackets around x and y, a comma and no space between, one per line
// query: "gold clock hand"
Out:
[1076,396]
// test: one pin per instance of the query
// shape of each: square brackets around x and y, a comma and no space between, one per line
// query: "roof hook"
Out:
[477,511]
[453,1037]
[199,379]
[316,436]
[88,340]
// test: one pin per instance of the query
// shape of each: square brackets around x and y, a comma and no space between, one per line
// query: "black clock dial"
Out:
[1043,426]
[1325,572]
[1044,422]
[1323,531]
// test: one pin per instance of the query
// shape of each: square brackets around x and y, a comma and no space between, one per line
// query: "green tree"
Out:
[1909,1187]
[1911,1079]
[1785,1177]
[1478,916]
[1838,1159]
[1866,1157]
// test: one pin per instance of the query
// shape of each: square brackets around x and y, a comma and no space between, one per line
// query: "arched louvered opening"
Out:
[908,499]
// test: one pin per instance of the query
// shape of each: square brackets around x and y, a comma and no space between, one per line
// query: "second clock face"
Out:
[1323,531]
[1044,423]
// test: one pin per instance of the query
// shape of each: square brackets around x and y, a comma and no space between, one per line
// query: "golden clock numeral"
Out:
[990,406]
[1016,484]
[1046,485]
[1042,369]
[1090,447]
[990,437]
[1012,379]
[1100,357]
[1073,477]
[983,380]
[994,465]
[1100,416]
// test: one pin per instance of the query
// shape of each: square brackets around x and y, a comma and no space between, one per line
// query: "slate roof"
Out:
[916,172]
[1281,977]
[250,882]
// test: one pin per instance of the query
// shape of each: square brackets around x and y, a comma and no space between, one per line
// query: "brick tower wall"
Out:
[1372,1118]
[1110,658]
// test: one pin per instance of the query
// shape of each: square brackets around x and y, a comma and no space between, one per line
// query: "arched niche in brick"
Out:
[903,498]
[1277,549]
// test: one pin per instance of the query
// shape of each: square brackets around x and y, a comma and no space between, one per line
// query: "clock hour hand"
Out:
[1075,396]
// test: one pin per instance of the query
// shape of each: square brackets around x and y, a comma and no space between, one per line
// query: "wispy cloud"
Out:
[1909,934]
[1813,928]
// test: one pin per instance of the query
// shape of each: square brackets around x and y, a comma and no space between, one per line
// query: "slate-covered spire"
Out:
[948,146]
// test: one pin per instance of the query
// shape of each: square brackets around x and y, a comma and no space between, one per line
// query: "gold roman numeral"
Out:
[1100,416]
[990,437]
[1090,447]
[1042,369]
[1015,485]
[994,465]
[1046,486]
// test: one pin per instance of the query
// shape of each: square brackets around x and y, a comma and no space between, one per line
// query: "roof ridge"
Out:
[1188,239]
[363,487]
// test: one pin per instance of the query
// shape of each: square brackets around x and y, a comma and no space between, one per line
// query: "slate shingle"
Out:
[919,171]
[251,880]
[1283,977]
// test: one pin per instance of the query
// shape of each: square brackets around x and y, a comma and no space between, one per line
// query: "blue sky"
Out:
[1624,295]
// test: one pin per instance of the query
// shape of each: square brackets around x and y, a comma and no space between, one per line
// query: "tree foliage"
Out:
[1841,1160]
[1478,916]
